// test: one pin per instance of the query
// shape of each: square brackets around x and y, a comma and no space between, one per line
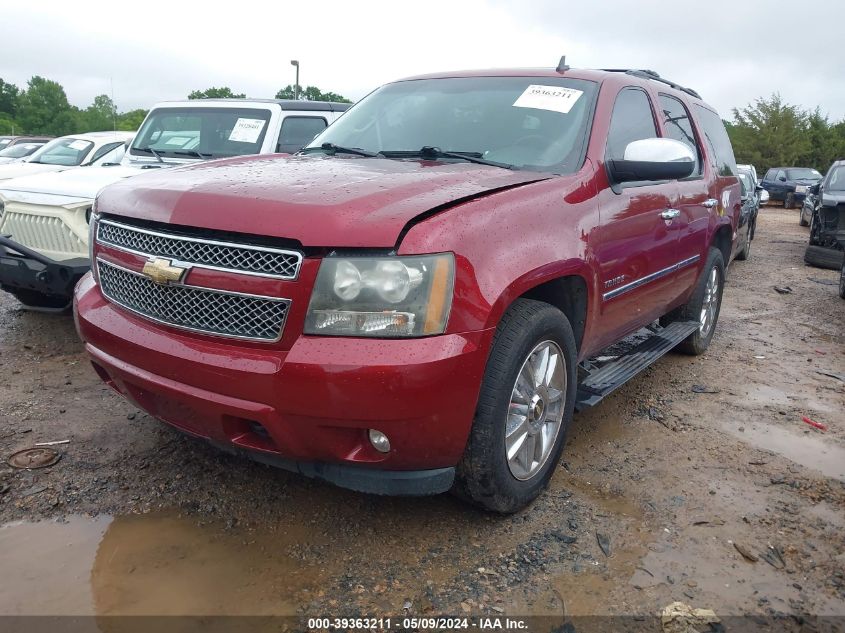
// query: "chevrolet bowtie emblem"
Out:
[162,271]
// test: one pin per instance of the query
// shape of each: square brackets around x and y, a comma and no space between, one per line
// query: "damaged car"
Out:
[827,220]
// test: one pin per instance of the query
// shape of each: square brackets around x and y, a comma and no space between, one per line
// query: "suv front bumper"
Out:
[23,269]
[308,408]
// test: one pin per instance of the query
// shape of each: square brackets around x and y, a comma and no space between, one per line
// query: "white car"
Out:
[44,218]
[17,153]
[66,152]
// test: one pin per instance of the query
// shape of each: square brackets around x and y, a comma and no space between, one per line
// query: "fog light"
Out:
[379,441]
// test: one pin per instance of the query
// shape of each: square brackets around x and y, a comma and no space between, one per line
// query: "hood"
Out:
[15,170]
[317,200]
[63,187]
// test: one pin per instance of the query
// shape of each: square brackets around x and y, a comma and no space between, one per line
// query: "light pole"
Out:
[295,62]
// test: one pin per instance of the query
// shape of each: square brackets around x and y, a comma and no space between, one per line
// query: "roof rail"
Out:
[650,74]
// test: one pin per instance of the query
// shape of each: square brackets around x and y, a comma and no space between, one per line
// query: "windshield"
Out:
[538,123]
[802,173]
[201,132]
[63,151]
[836,179]
[20,150]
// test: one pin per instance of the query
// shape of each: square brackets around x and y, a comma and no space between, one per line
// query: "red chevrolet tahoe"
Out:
[419,300]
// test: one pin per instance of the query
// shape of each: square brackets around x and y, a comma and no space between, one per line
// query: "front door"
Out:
[638,239]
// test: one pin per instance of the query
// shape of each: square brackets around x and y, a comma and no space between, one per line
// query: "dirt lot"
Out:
[685,466]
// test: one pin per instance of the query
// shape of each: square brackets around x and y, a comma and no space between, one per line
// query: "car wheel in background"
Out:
[745,253]
[802,219]
[822,257]
[789,201]
[842,281]
[524,409]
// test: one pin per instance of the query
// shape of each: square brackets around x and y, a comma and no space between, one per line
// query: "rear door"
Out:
[694,200]
[637,247]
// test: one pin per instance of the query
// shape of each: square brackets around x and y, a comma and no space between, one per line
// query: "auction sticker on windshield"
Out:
[247,130]
[553,98]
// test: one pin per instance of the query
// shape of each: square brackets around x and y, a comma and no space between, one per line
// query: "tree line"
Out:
[42,107]
[772,133]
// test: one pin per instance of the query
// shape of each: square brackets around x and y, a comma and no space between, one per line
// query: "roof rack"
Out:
[650,74]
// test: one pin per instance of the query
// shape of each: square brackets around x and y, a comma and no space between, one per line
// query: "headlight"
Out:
[383,297]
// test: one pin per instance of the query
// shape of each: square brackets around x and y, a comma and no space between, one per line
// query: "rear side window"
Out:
[677,124]
[632,120]
[721,151]
[298,131]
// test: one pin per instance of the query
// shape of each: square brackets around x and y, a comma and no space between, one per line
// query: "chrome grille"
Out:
[194,308]
[242,258]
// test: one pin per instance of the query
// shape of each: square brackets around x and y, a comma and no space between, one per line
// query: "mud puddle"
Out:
[810,450]
[150,564]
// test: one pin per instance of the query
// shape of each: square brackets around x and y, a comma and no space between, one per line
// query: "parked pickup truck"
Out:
[419,300]
[44,227]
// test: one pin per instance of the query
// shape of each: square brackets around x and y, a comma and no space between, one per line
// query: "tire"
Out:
[38,301]
[745,253]
[822,257]
[485,475]
[801,220]
[842,281]
[698,342]
[789,201]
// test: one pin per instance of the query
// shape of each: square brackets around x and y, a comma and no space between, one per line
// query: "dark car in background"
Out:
[750,207]
[789,184]
[827,222]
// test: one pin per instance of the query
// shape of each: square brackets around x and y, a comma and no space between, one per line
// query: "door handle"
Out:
[710,203]
[669,214]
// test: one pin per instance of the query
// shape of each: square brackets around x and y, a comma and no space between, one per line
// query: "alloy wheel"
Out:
[535,412]
[710,303]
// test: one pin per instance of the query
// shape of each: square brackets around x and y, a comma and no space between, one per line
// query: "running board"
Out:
[600,382]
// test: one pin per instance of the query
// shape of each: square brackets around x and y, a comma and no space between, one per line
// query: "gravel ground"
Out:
[661,490]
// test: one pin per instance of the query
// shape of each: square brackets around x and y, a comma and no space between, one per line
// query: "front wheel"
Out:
[524,409]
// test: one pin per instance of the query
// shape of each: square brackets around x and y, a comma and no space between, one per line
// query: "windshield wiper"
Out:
[433,153]
[337,149]
[149,150]
[191,152]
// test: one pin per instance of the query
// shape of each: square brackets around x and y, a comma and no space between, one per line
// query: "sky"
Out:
[731,52]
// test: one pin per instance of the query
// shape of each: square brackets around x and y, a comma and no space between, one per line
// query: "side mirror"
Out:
[814,189]
[759,188]
[782,178]
[653,159]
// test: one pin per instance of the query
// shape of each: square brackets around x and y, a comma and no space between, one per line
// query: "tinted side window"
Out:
[718,142]
[677,124]
[297,131]
[105,149]
[631,120]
